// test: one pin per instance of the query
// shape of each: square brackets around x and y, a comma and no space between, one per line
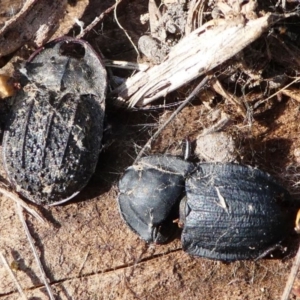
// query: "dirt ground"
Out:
[85,247]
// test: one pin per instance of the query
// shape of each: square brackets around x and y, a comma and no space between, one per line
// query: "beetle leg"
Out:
[270,250]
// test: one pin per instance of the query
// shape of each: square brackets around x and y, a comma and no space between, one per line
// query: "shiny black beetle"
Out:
[233,212]
[150,192]
[53,138]
[228,211]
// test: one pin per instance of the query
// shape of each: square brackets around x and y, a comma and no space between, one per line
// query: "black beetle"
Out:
[233,212]
[150,192]
[53,136]
[229,212]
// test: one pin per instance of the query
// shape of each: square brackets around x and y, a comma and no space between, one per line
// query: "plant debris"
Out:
[251,95]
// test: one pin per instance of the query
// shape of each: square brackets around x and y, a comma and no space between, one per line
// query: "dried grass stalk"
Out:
[12,275]
[34,251]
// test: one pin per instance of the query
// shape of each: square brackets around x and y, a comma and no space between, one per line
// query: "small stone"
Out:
[216,147]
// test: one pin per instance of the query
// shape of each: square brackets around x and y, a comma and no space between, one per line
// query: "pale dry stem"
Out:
[125,65]
[31,242]
[122,28]
[297,79]
[15,280]
[220,125]
[195,15]
[84,261]
[218,88]
[96,21]
[19,201]
[292,276]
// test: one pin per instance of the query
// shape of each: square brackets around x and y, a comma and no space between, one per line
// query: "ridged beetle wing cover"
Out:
[150,192]
[234,212]
[53,139]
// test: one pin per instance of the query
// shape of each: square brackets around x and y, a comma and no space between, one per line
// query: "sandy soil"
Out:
[87,250]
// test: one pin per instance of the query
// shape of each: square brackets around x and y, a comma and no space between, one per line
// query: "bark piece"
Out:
[36,22]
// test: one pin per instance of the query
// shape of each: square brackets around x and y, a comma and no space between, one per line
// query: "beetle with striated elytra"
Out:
[53,136]
[228,211]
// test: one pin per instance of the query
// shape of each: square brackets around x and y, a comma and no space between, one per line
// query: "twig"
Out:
[179,108]
[292,276]
[283,3]
[31,242]
[218,88]
[84,261]
[194,15]
[125,65]
[95,22]
[225,119]
[154,20]
[15,280]
[285,87]
[18,200]
[121,27]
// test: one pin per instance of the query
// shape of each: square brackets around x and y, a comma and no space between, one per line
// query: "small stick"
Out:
[84,261]
[283,3]
[292,276]
[31,242]
[121,27]
[96,21]
[273,95]
[225,119]
[218,88]
[15,280]
[18,200]
[125,65]
[192,95]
